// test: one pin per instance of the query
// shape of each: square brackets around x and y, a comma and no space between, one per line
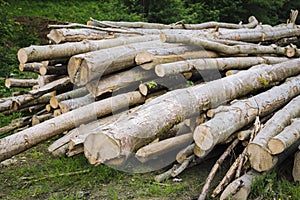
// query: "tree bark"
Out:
[75,93]
[74,35]
[72,104]
[285,138]
[93,65]
[36,53]
[296,167]
[162,148]
[44,80]
[258,152]
[220,64]
[21,83]
[242,112]
[116,81]
[25,139]
[162,113]
[229,50]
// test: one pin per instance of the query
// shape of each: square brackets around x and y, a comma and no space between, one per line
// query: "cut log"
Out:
[111,83]
[257,149]
[15,124]
[167,174]
[179,25]
[240,188]
[25,139]
[44,80]
[49,52]
[62,84]
[285,138]
[221,64]
[30,67]
[183,166]
[36,119]
[149,61]
[296,168]
[122,138]
[21,83]
[57,112]
[53,70]
[72,104]
[165,83]
[163,148]
[184,153]
[74,35]
[242,112]
[214,169]
[93,65]
[75,93]
[229,50]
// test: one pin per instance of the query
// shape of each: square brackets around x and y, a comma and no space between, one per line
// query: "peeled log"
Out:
[21,83]
[73,35]
[93,65]
[116,81]
[36,53]
[296,168]
[220,64]
[242,112]
[285,138]
[163,112]
[161,148]
[18,142]
[272,127]
[229,50]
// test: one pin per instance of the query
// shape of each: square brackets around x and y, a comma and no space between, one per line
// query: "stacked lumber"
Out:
[141,96]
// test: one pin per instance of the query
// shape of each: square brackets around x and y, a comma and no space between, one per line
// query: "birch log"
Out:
[162,113]
[259,154]
[21,83]
[242,112]
[93,65]
[220,64]
[36,53]
[74,35]
[25,139]
[285,138]
[229,50]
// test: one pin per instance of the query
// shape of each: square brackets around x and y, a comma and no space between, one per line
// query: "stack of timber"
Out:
[121,92]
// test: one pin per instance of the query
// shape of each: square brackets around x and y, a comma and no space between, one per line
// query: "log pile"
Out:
[153,95]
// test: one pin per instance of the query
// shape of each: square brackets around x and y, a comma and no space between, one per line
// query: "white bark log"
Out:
[296,167]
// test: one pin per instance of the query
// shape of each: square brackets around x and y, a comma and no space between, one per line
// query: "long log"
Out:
[116,81]
[93,65]
[259,154]
[285,138]
[296,167]
[163,148]
[229,50]
[162,113]
[221,64]
[36,53]
[148,61]
[74,35]
[25,139]
[75,93]
[72,104]
[21,83]
[242,112]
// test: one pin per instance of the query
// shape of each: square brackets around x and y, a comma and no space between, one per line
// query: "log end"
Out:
[55,36]
[276,146]
[163,37]
[143,89]
[43,70]
[22,56]
[260,158]
[204,138]
[159,70]
[54,102]
[7,83]
[100,148]
[143,57]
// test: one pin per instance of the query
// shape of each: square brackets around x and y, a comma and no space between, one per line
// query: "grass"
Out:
[47,176]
